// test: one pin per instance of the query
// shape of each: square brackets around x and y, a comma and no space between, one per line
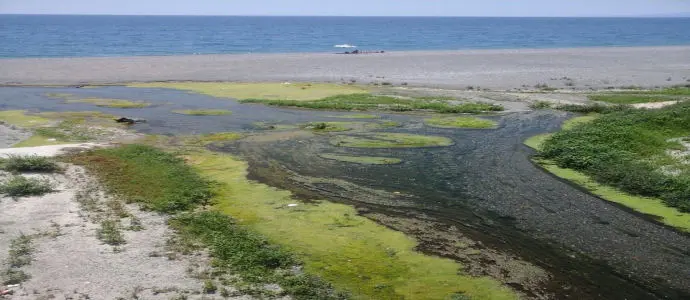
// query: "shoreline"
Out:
[579,68]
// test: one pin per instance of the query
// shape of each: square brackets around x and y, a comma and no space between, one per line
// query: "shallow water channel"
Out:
[484,187]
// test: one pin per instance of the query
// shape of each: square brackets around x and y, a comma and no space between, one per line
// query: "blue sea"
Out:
[75,36]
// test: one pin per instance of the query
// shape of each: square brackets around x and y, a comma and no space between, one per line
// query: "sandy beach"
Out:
[494,69]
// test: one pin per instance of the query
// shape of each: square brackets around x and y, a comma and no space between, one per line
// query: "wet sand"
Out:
[495,69]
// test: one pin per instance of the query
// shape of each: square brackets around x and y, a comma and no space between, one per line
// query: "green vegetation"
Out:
[646,205]
[104,102]
[639,96]
[111,233]
[157,180]
[541,105]
[630,99]
[592,108]
[622,157]
[321,96]
[20,186]
[203,112]
[460,122]
[330,126]
[53,128]
[22,119]
[112,103]
[390,140]
[162,182]
[376,102]
[30,163]
[356,116]
[206,139]
[365,160]
[268,91]
[352,252]
[627,150]
[270,126]
[237,249]
[20,254]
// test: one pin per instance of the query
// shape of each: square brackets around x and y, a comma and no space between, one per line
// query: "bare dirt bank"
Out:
[497,69]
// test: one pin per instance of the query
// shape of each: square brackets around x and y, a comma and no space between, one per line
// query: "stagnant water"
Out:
[485,185]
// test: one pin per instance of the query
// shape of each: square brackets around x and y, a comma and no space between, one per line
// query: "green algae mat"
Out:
[390,140]
[460,122]
[267,91]
[353,253]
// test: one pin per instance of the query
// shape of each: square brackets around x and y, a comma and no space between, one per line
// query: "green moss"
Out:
[270,126]
[104,102]
[22,119]
[268,91]
[365,160]
[460,122]
[70,127]
[535,142]
[390,140]
[112,103]
[205,139]
[651,206]
[332,126]
[354,253]
[203,112]
[579,120]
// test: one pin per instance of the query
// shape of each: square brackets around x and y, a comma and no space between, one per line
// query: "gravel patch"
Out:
[495,69]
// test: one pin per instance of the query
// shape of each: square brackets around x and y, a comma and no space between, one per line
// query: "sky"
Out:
[553,8]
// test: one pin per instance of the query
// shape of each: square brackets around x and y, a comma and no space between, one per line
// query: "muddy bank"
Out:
[486,186]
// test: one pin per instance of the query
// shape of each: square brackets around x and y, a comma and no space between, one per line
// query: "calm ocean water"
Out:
[63,36]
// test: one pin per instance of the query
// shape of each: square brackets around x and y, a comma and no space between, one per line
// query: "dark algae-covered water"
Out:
[534,232]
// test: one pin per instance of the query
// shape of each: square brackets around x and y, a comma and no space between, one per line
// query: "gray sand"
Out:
[496,69]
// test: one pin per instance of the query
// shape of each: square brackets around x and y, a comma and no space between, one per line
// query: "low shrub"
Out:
[31,163]
[20,186]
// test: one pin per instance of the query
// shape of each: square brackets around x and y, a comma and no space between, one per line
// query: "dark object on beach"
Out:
[362,52]
[129,120]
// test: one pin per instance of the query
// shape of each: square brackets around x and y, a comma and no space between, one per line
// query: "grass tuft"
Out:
[111,233]
[29,163]
[20,186]
[541,105]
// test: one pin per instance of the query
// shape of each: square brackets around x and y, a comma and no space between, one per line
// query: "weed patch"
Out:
[30,163]
[377,102]
[111,233]
[236,249]
[157,180]
[20,255]
[20,186]
[626,150]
